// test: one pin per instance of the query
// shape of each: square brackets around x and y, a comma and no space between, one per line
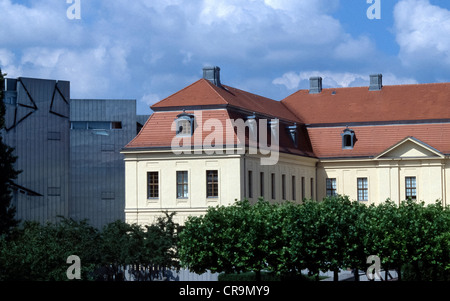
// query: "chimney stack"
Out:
[315,85]
[376,82]
[212,74]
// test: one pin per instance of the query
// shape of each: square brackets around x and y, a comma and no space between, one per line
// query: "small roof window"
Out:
[293,133]
[348,139]
[185,124]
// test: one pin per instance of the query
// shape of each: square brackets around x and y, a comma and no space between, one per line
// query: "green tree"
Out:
[335,221]
[121,244]
[426,231]
[160,248]
[307,246]
[7,174]
[230,239]
[362,220]
[36,252]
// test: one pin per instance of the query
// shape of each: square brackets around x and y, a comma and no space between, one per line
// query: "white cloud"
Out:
[150,99]
[43,22]
[354,49]
[151,49]
[422,31]
[7,63]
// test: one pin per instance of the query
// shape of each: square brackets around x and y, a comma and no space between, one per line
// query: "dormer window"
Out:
[293,133]
[185,124]
[253,129]
[348,139]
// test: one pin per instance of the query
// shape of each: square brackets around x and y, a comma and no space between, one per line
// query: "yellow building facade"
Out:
[369,143]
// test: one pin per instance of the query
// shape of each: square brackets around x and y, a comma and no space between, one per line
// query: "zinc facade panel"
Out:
[96,170]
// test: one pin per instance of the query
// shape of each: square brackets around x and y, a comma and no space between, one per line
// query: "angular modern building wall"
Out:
[99,130]
[68,151]
[37,126]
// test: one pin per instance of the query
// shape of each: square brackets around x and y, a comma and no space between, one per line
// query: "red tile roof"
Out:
[321,118]
[204,93]
[373,140]
[158,132]
[402,102]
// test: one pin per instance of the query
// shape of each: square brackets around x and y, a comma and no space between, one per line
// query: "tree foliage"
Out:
[39,252]
[330,235]
[7,174]
[283,239]
[235,238]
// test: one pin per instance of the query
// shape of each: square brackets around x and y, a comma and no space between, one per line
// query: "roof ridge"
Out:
[384,86]
[217,92]
[201,80]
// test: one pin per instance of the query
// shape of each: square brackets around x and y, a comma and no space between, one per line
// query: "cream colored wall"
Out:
[287,165]
[386,178]
[141,210]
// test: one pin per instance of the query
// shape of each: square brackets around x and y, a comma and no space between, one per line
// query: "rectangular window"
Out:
[152,185]
[79,125]
[283,187]
[99,125]
[184,127]
[182,185]
[250,184]
[363,189]
[116,125]
[410,184]
[54,191]
[261,184]
[212,184]
[54,136]
[273,186]
[293,188]
[331,187]
[303,188]
[312,189]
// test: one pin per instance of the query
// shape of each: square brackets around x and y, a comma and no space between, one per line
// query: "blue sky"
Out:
[148,50]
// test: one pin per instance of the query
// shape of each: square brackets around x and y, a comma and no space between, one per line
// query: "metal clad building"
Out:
[99,129]
[37,126]
[68,151]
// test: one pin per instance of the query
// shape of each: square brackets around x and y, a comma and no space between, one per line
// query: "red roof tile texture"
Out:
[215,127]
[373,140]
[318,117]
[402,102]
[159,130]
[204,93]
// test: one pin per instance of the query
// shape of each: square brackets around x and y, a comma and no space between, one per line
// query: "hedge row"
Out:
[38,252]
[320,236]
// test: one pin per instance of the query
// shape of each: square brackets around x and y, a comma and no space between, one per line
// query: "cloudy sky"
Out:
[149,49]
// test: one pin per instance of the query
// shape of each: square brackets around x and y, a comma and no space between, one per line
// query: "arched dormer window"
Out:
[185,124]
[348,139]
